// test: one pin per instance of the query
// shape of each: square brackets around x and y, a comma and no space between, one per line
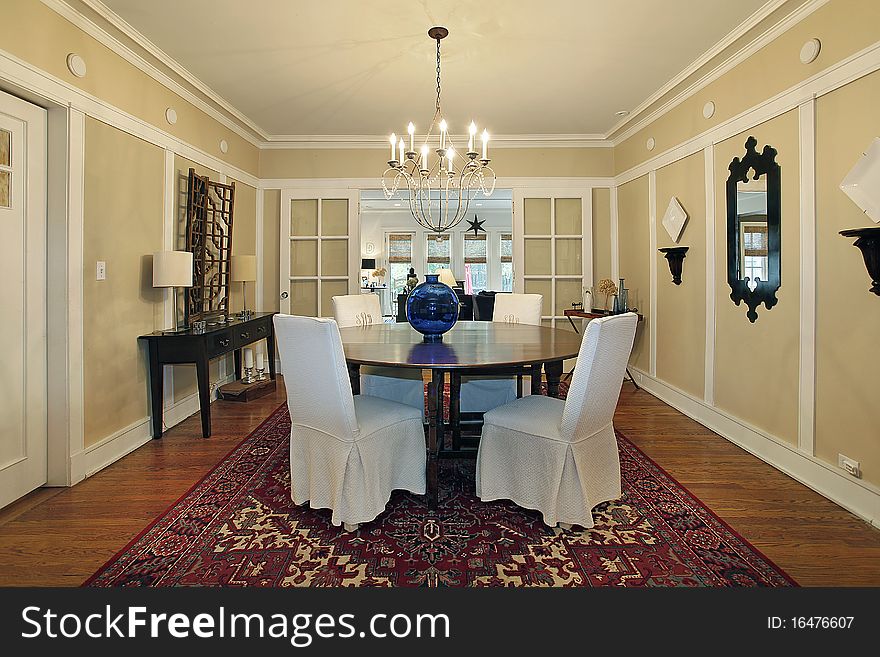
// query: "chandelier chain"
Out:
[438,75]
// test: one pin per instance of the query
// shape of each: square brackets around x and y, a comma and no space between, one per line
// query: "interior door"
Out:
[320,249]
[553,248]
[23,408]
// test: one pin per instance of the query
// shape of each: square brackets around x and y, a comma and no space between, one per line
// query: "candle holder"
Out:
[261,374]
[675,255]
[248,375]
[868,242]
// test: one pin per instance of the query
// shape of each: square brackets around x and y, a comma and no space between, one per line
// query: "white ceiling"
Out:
[350,67]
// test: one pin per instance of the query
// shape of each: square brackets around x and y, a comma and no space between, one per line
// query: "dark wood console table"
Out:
[176,347]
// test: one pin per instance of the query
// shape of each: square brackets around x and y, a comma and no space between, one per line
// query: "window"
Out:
[506,262]
[476,260]
[439,253]
[400,248]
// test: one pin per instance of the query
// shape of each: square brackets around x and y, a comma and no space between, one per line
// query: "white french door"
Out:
[320,249]
[553,248]
[23,395]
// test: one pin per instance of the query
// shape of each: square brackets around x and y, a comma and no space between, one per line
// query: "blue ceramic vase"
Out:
[432,308]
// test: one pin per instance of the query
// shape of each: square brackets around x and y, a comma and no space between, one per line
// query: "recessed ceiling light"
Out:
[397,205]
[479,205]
[621,113]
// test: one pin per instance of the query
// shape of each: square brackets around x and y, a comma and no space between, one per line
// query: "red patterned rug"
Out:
[238,527]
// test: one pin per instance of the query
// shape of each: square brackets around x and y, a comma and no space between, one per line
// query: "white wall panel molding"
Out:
[855,495]
[615,235]
[502,182]
[807,357]
[835,76]
[356,142]
[709,382]
[652,266]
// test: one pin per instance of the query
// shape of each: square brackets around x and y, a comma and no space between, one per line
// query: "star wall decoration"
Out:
[476,225]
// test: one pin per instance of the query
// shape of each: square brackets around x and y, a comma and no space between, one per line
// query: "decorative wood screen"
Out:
[209,207]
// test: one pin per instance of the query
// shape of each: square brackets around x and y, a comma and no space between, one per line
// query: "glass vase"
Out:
[432,308]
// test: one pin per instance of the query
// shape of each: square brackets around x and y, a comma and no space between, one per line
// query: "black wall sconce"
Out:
[675,255]
[868,242]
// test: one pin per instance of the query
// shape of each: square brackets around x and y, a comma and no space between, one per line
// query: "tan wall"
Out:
[843,26]
[271,228]
[847,314]
[36,34]
[244,241]
[681,309]
[601,236]
[756,365]
[634,245]
[370,163]
[123,198]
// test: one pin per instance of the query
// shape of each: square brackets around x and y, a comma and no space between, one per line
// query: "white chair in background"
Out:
[560,457]
[482,393]
[400,384]
[347,452]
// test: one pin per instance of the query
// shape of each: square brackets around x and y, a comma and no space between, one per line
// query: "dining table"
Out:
[470,347]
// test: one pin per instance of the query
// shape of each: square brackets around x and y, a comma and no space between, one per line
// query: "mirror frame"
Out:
[763,164]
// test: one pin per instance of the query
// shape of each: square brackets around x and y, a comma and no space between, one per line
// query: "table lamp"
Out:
[244,269]
[446,276]
[173,269]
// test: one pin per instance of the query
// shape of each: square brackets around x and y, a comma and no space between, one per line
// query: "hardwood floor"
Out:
[60,536]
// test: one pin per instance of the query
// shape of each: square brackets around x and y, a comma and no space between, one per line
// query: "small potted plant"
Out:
[379,274]
[608,288]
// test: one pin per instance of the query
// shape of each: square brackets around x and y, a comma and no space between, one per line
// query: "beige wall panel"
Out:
[681,309]
[244,239]
[271,249]
[601,236]
[843,26]
[370,163]
[46,42]
[634,241]
[756,365]
[124,179]
[847,314]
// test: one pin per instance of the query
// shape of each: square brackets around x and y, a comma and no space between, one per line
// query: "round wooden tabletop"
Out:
[467,345]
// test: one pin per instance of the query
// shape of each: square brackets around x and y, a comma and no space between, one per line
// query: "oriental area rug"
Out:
[239,527]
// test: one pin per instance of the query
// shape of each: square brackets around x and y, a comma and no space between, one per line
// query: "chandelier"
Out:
[438,193]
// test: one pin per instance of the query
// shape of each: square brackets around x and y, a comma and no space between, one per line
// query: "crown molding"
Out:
[288,142]
[632,125]
[192,90]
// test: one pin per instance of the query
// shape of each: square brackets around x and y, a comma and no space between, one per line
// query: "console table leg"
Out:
[270,351]
[204,395]
[236,357]
[554,373]
[156,396]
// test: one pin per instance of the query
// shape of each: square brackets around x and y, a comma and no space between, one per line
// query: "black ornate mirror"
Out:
[753,235]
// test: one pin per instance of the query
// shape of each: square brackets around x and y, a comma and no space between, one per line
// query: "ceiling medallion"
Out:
[438,194]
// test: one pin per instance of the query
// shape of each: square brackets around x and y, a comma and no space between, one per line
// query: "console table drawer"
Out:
[220,343]
[244,335]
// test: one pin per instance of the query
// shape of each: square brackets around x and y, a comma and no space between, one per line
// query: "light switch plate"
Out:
[101,271]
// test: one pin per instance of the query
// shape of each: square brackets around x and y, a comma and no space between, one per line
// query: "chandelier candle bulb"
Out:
[443,128]
[450,154]
[485,144]
[411,129]
[401,149]
[472,132]
[393,146]
[424,157]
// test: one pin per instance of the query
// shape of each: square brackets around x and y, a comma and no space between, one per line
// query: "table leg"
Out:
[554,373]
[156,391]
[236,357]
[354,375]
[270,351]
[455,408]
[631,379]
[435,434]
[536,379]
[204,394]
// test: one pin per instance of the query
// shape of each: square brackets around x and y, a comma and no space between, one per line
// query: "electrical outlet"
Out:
[851,467]
[101,271]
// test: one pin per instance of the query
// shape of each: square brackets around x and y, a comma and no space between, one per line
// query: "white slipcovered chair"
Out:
[347,453]
[400,384]
[482,393]
[560,457]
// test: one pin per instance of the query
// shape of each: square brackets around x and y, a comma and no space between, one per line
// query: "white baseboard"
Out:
[858,497]
[112,448]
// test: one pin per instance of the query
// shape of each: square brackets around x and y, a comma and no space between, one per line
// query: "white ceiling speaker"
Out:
[171,115]
[709,110]
[224,147]
[650,144]
[76,65]
[810,50]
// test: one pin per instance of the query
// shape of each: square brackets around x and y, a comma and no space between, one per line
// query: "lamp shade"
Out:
[446,276]
[244,268]
[368,263]
[172,269]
